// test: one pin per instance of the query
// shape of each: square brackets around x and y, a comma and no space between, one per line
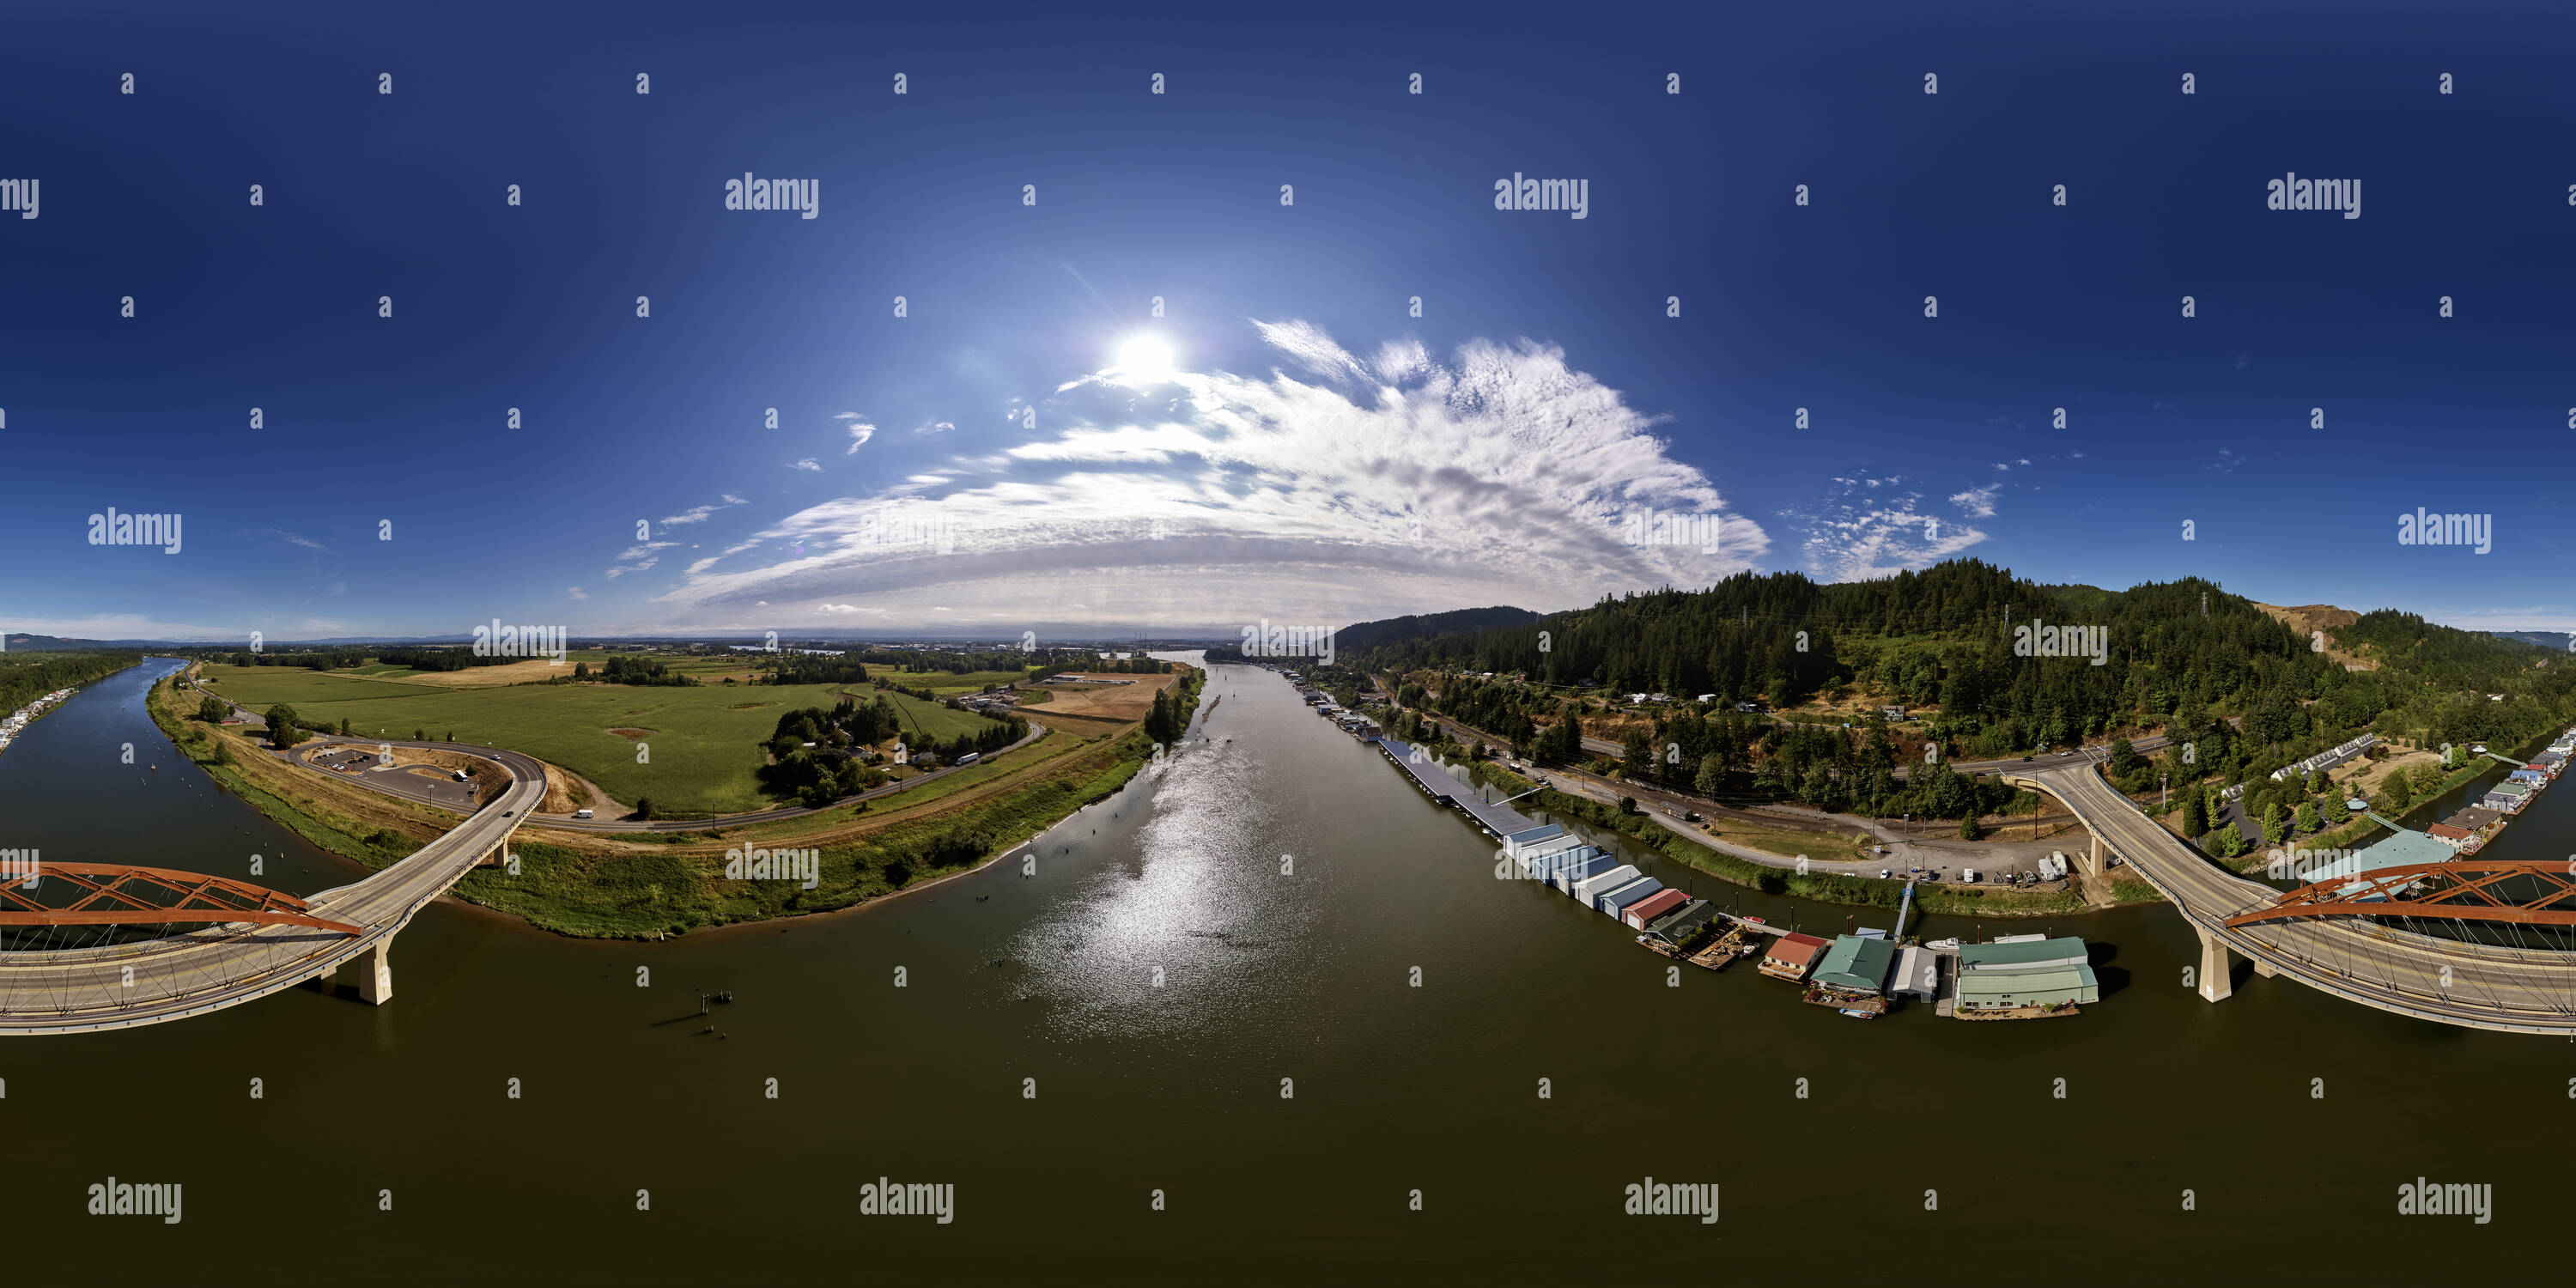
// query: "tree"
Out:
[281,726]
[2228,842]
[1712,775]
[2272,834]
[2307,819]
[2124,757]
[420,735]
[2394,795]
[344,726]
[2195,817]
[1637,757]
[1968,829]
[1627,804]
[213,709]
[644,808]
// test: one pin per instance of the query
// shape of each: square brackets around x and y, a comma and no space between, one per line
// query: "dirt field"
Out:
[1105,701]
[485,677]
[2309,618]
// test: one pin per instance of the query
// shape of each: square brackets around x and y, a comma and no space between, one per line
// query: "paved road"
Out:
[2475,985]
[123,986]
[1938,857]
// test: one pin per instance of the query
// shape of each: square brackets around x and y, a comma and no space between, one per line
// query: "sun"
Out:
[1144,360]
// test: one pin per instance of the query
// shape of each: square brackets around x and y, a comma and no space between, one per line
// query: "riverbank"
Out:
[656,885]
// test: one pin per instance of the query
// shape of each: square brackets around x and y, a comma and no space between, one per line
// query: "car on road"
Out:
[2028,758]
[2066,752]
[1883,874]
[581,813]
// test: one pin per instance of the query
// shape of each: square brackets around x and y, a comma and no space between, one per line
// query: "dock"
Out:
[1436,783]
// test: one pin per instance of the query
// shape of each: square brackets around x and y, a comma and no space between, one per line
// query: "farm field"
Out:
[704,741]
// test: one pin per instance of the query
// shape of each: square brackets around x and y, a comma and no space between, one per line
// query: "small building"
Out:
[1790,956]
[2032,953]
[1643,912]
[1856,965]
[1589,890]
[1892,712]
[1918,973]
[2471,817]
[1576,872]
[2449,835]
[1618,901]
[2005,990]
[1677,926]
[2506,798]
[1532,839]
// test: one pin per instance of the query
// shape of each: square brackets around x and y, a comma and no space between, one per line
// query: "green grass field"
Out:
[704,741]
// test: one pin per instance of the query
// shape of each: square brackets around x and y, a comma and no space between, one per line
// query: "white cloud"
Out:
[935,427]
[1501,475]
[638,558]
[860,431]
[1853,538]
[577,592]
[699,513]
[293,539]
[809,463]
[1977,502]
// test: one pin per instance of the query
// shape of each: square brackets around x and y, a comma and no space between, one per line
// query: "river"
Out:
[1167,1005]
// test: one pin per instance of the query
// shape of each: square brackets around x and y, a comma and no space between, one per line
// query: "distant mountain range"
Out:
[2546,639]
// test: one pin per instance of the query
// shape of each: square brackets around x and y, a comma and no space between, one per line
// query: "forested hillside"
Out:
[25,677]
[1958,639]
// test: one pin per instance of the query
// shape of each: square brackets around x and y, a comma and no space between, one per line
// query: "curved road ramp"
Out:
[2327,945]
[285,941]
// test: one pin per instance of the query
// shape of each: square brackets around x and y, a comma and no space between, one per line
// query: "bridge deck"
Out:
[2447,981]
[149,982]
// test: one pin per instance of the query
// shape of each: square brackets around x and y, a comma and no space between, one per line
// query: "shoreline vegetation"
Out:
[655,885]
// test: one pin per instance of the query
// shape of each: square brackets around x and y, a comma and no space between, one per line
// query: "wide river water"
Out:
[1067,1045]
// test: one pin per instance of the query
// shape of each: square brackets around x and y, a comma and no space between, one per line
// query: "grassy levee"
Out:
[703,742]
[651,885]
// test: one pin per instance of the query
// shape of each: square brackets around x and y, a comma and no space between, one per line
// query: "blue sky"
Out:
[1316,454]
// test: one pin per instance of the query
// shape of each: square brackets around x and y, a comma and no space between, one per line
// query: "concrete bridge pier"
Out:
[2214,984]
[376,974]
[2093,856]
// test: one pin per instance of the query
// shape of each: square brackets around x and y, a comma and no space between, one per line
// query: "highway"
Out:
[150,982]
[2446,981]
